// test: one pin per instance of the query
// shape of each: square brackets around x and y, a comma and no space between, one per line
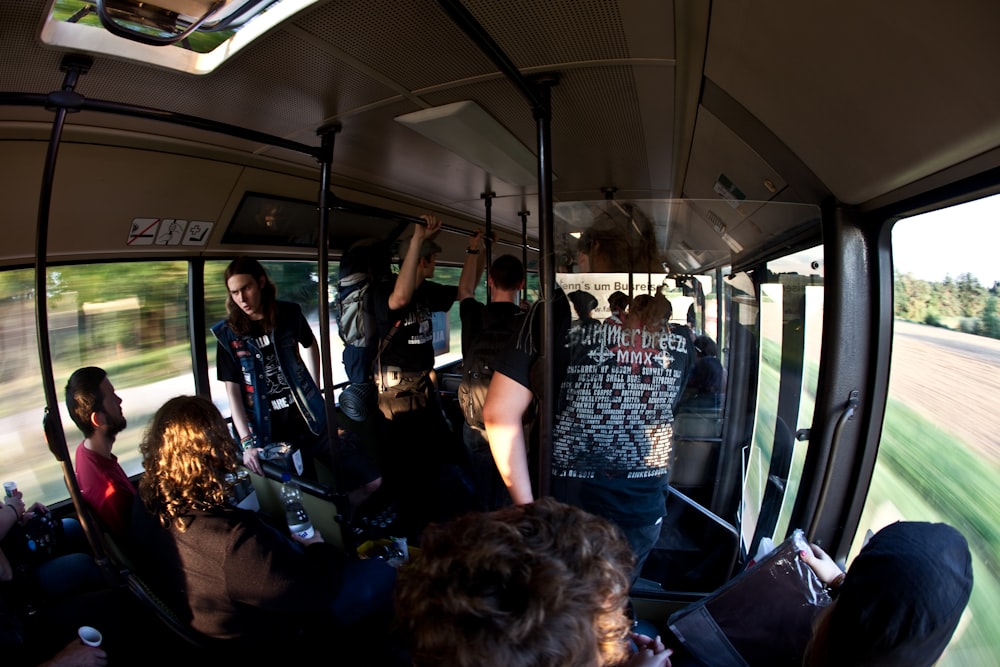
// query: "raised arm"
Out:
[472,270]
[406,282]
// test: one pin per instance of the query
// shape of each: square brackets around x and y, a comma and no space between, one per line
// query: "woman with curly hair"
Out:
[538,585]
[242,578]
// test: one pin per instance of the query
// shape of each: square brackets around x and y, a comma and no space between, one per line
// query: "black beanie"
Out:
[902,598]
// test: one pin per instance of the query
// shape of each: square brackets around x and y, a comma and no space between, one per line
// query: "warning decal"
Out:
[168,231]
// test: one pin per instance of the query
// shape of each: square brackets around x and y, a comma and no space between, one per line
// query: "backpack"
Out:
[362,266]
[478,364]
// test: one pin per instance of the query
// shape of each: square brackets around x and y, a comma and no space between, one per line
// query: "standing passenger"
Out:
[612,439]
[97,411]
[486,328]
[420,452]
[273,394]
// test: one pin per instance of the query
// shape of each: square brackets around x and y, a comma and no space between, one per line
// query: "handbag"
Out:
[762,617]
[33,542]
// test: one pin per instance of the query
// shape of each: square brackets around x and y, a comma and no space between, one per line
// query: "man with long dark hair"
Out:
[273,394]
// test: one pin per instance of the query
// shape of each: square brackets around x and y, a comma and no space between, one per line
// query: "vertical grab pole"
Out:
[326,199]
[487,198]
[64,102]
[524,213]
[543,119]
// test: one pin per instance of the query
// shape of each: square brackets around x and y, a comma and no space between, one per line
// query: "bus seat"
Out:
[696,552]
[694,463]
[448,382]
[697,442]
[704,423]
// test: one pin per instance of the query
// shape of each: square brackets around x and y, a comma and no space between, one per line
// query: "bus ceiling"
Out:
[647,100]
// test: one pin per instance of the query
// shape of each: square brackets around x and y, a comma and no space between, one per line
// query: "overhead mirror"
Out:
[194,36]
[165,22]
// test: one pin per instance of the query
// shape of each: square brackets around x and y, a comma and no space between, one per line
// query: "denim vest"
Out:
[305,393]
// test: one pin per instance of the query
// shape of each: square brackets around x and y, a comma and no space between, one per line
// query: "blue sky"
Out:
[952,241]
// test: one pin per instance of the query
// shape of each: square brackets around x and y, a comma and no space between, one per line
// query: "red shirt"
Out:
[106,488]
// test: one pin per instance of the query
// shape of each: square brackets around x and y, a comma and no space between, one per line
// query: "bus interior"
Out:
[755,156]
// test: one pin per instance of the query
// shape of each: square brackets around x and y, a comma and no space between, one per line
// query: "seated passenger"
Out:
[540,584]
[900,601]
[619,303]
[707,385]
[584,304]
[42,574]
[97,411]
[244,579]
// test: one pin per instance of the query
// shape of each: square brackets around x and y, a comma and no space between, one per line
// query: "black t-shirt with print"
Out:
[287,423]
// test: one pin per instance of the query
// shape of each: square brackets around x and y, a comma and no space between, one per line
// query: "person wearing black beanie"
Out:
[899,603]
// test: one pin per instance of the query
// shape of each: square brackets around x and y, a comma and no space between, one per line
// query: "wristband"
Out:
[834,586]
[246,443]
[471,251]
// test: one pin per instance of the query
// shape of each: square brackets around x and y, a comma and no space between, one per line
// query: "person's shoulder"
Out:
[683,330]
[90,458]
[214,522]
[470,303]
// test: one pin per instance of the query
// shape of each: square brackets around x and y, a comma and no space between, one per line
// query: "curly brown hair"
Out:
[187,451]
[538,585]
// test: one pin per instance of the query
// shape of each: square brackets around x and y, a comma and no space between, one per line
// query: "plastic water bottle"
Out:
[298,520]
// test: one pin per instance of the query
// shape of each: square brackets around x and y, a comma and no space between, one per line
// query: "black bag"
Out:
[762,617]
[34,542]
[478,364]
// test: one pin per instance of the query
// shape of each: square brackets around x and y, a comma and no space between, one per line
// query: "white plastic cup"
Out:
[90,636]
[10,488]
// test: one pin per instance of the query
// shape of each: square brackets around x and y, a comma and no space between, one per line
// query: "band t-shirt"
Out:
[287,423]
[617,386]
[412,346]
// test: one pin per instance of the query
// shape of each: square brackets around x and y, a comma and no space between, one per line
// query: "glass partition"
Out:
[686,365]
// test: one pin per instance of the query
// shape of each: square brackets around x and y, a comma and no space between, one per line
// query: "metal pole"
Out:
[62,102]
[543,120]
[326,198]
[524,213]
[488,234]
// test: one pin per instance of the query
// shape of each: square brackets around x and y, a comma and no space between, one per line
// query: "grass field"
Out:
[927,473]
[913,481]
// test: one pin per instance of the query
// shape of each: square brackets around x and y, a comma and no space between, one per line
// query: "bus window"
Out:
[938,458]
[297,281]
[128,318]
[790,329]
